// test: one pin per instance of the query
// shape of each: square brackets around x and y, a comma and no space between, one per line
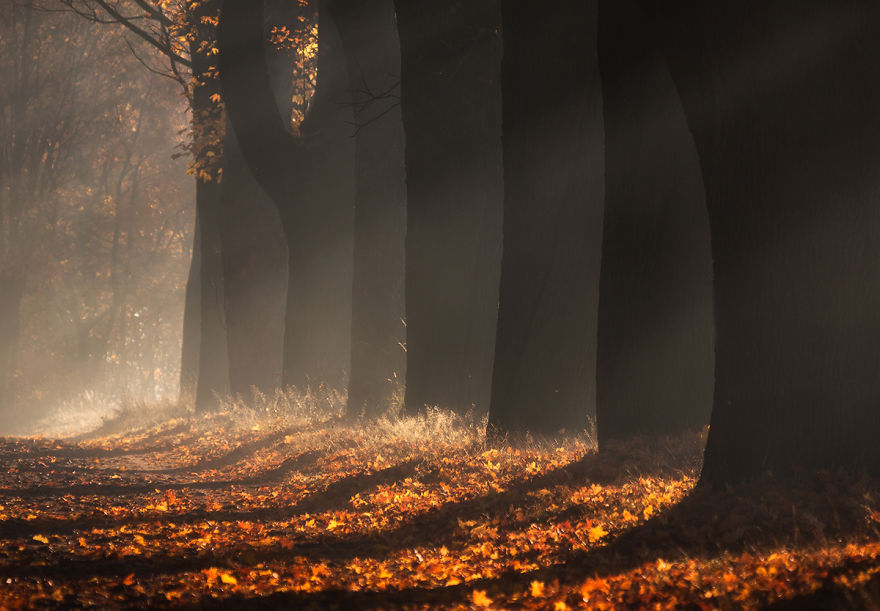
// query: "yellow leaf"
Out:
[480,599]
[560,605]
[227,578]
[596,533]
[649,511]
[537,589]
[41,538]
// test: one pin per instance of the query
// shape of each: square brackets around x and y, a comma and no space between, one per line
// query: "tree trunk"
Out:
[318,324]
[254,275]
[450,96]
[369,36]
[791,139]
[553,165]
[12,287]
[310,180]
[655,341]
[213,372]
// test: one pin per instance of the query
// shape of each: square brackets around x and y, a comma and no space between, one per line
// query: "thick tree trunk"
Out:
[318,324]
[310,180]
[213,372]
[655,341]
[369,36]
[792,145]
[12,286]
[254,275]
[544,377]
[450,95]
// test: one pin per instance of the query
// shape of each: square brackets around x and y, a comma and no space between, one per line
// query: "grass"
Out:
[282,503]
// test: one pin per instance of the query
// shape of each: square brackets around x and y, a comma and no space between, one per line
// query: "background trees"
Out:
[91,223]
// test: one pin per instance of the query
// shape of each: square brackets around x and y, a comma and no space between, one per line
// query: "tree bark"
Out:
[791,139]
[254,274]
[450,96]
[213,372]
[655,341]
[544,377]
[310,180]
[368,31]
[318,324]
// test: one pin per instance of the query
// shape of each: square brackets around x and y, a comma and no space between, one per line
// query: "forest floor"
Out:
[286,506]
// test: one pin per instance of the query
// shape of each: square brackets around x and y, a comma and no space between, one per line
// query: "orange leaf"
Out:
[480,599]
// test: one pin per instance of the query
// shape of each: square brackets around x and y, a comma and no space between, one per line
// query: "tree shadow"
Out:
[333,497]
[244,450]
[759,516]
[264,477]
[433,528]
[703,526]
[231,457]
[29,448]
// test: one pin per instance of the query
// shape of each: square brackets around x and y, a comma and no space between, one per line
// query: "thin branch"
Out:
[359,126]
[174,76]
[168,51]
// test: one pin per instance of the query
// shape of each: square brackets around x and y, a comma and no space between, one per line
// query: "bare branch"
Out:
[149,38]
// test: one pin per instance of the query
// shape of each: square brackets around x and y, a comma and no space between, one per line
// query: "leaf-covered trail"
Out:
[234,510]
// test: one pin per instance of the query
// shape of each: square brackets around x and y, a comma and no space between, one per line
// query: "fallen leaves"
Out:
[391,513]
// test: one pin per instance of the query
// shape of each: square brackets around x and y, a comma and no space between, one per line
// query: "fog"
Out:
[97,223]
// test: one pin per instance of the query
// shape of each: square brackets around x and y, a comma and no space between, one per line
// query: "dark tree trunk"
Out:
[791,143]
[450,96]
[12,286]
[318,324]
[254,275]
[310,180]
[369,36]
[213,372]
[213,361]
[655,341]
[544,378]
